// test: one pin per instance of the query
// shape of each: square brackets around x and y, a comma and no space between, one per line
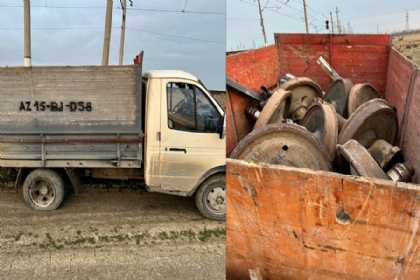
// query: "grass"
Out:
[142,238]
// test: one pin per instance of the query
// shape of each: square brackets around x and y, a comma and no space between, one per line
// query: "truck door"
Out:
[191,144]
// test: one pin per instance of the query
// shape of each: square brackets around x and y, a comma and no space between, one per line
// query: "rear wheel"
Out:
[43,190]
[210,198]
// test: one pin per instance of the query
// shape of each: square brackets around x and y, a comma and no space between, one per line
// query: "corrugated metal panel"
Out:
[80,99]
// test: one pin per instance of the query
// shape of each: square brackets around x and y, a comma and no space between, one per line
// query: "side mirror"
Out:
[222,127]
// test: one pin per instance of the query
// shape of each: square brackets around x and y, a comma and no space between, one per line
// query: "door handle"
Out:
[178,150]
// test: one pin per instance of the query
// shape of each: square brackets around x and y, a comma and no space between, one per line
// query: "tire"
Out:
[210,198]
[43,190]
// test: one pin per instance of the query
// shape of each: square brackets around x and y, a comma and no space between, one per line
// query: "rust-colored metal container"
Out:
[292,223]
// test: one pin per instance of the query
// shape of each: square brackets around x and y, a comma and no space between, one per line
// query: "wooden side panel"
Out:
[254,68]
[65,99]
[411,129]
[399,77]
[362,58]
[238,124]
[284,222]
[403,92]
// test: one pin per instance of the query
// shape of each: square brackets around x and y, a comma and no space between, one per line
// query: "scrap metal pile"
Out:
[348,129]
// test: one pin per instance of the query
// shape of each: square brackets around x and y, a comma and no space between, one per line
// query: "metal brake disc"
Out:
[276,108]
[283,144]
[359,94]
[338,94]
[304,93]
[360,160]
[321,120]
[373,120]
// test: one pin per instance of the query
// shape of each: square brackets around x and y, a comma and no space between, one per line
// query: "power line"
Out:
[153,10]
[129,28]
[176,36]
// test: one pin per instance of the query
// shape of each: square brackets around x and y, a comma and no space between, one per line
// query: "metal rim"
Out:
[359,94]
[275,109]
[373,120]
[283,144]
[215,199]
[42,193]
[361,161]
[338,94]
[304,93]
[324,126]
[302,81]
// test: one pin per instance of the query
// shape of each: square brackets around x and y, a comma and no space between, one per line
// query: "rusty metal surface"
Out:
[300,224]
[242,89]
[359,94]
[361,161]
[373,120]
[283,144]
[304,93]
[401,173]
[310,236]
[338,93]
[276,108]
[119,174]
[238,124]
[321,120]
[385,154]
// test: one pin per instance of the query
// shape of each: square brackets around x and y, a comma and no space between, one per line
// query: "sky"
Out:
[194,41]
[364,16]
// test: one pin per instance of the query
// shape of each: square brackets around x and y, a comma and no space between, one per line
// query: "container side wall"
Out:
[76,99]
[315,225]
[254,68]
[411,128]
[399,77]
[362,58]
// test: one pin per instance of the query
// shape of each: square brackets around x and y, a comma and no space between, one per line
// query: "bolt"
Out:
[400,173]
[253,112]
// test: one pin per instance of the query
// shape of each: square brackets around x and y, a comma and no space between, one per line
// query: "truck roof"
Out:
[170,74]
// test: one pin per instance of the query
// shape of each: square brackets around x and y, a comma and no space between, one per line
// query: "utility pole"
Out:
[337,13]
[305,11]
[122,38]
[332,22]
[27,33]
[407,21]
[262,22]
[107,35]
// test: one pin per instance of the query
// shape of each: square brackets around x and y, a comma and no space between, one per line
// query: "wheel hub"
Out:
[216,199]
[360,94]
[284,144]
[41,194]
[373,120]
[304,93]
[321,120]
[338,94]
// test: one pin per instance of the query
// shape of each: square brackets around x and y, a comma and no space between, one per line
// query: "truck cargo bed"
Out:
[290,223]
[76,114]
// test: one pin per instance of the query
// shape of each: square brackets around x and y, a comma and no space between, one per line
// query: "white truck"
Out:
[58,124]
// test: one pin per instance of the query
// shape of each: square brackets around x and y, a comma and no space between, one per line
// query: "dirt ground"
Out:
[110,233]
[409,45]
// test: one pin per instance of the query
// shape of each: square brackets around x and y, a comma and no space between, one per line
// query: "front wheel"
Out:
[43,190]
[210,198]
